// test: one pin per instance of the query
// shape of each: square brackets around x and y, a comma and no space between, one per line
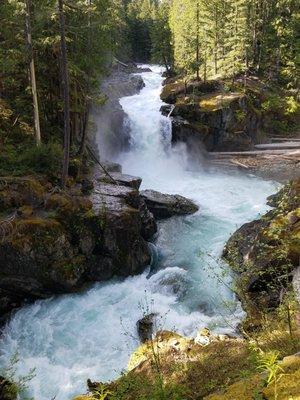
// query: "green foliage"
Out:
[269,362]
[43,159]
[27,158]
[135,387]
[12,386]
[234,36]
[102,392]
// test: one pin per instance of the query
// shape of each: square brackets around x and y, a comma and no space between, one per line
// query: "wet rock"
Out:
[166,109]
[203,337]
[69,239]
[166,205]
[145,327]
[264,252]
[149,226]
[122,179]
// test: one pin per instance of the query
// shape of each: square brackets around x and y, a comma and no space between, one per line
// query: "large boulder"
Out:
[167,205]
[54,241]
[264,252]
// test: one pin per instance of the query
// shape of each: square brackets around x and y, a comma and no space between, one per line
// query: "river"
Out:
[70,338]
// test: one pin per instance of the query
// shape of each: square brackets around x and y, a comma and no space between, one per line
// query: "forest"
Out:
[221,38]
[149,199]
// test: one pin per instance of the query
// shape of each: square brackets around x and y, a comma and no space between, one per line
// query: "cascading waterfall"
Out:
[70,338]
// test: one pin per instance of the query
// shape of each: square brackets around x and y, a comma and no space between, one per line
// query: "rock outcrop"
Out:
[207,114]
[167,205]
[145,327]
[263,253]
[54,241]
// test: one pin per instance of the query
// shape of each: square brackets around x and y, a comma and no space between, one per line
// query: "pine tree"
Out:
[160,33]
[66,93]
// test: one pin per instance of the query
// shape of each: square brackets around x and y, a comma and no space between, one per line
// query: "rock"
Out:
[149,226]
[168,81]
[122,179]
[163,343]
[296,283]
[203,337]
[166,205]
[69,239]
[220,122]
[166,109]
[171,91]
[264,252]
[145,327]
[86,186]
[112,166]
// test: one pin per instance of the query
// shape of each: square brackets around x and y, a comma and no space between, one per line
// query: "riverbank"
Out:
[235,121]
[183,287]
[55,241]
[263,359]
[222,367]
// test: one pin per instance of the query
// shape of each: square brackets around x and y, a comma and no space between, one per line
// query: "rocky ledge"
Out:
[167,205]
[54,241]
[210,115]
[264,253]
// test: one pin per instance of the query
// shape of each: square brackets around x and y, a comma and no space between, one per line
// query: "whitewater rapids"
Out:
[70,338]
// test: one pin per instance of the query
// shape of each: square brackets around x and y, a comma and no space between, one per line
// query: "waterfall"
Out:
[70,338]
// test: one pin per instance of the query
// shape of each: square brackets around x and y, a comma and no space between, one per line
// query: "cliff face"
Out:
[264,253]
[208,113]
[55,242]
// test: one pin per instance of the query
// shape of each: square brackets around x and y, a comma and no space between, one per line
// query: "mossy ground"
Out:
[173,367]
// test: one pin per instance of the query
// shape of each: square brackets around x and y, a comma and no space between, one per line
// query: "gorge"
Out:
[91,334]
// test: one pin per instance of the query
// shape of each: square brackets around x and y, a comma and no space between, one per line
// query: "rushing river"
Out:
[90,335]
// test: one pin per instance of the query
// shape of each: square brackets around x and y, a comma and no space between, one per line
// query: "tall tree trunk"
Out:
[216,28]
[36,116]
[85,113]
[197,40]
[66,94]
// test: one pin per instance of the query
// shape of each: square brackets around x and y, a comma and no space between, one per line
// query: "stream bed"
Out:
[70,338]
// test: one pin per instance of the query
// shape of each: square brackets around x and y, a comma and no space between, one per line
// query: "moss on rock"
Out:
[263,253]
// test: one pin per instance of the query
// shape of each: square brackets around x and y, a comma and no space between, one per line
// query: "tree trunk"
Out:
[66,94]
[197,42]
[32,74]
